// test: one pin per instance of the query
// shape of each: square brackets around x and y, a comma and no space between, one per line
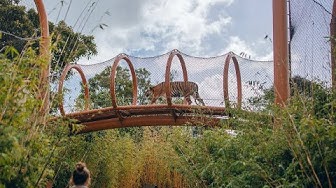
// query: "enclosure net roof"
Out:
[206,72]
[310,58]
[310,39]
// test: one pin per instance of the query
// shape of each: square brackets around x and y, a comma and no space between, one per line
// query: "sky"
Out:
[152,27]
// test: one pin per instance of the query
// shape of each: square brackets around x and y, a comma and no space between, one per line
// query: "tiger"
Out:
[178,89]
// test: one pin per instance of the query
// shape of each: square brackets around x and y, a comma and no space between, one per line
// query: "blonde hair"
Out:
[81,175]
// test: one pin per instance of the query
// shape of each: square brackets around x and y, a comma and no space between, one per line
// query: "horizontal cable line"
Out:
[325,9]
[21,38]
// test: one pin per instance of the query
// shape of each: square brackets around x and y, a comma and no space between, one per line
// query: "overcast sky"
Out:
[153,27]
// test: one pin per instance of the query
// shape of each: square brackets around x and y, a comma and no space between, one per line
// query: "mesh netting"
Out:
[310,58]
[206,72]
[310,41]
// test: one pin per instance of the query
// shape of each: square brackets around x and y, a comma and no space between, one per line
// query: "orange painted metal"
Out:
[159,120]
[45,54]
[280,52]
[113,76]
[45,41]
[333,44]
[226,80]
[85,84]
[140,110]
[146,115]
[143,115]
[112,83]
[172,54]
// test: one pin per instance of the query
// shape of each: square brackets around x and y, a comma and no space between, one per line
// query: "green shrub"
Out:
[27,146]
[299,151]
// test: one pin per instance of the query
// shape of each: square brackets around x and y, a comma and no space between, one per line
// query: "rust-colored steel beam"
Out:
[159,120]
[280,52]
[172,54]
[140,110]
[333,45]
[112,83]
[146,115]
[113,77]
[85,84]
[226,80]
[45,55]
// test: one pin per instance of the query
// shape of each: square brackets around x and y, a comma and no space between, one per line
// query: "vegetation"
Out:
[19,27]
[299,153]
[99,87]
[278,147]
[28,149]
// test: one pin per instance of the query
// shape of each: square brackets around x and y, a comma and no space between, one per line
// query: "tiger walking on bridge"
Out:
[178,89]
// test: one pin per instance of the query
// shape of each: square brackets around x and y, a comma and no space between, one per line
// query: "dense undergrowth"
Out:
[28,147]
[290,147]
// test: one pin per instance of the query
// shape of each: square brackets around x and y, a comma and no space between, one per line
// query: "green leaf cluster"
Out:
[295,149]
[119,161]
[27,146]
[21,27]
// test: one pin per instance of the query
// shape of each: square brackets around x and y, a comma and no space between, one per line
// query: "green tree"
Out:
[21,27]
[320,97]
[99,88]
[27,149]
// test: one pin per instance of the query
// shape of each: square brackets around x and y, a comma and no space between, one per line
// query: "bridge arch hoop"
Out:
[113,76]
[172,54]
[61,81]
[226,80]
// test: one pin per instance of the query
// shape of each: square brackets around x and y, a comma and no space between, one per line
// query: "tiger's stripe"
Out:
[178,89]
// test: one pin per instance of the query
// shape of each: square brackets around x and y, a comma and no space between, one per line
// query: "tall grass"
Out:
[27,146]
[120,161]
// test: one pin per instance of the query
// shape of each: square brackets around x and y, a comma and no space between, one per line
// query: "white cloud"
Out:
[163,25]
[238,46]
[211,90]
[152,27]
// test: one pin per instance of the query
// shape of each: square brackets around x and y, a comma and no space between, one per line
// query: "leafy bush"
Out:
[27,146]
[298,152]
[117,160]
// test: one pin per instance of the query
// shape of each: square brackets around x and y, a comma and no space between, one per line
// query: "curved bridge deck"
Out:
[147,115]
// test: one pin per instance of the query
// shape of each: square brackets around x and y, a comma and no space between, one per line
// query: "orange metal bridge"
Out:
[149,115]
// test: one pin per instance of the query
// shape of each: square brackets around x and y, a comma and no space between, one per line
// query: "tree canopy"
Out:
[99,87]
[20,27]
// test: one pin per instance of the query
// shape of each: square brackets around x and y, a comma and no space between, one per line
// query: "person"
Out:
[80,177]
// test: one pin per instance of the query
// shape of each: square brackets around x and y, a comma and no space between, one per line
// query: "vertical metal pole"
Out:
[333,44]
[280,52]
[45,55]
[290,34]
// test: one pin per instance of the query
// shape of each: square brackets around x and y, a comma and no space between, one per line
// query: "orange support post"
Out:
[167,74]
[280,52]
[333,44]
[45,55]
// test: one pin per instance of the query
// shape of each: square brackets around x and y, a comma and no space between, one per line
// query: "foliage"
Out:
[22,27]
[119,161]
[100,97]
[311,91]
[69,46]
[27,147]
[298,152]
[99,87]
